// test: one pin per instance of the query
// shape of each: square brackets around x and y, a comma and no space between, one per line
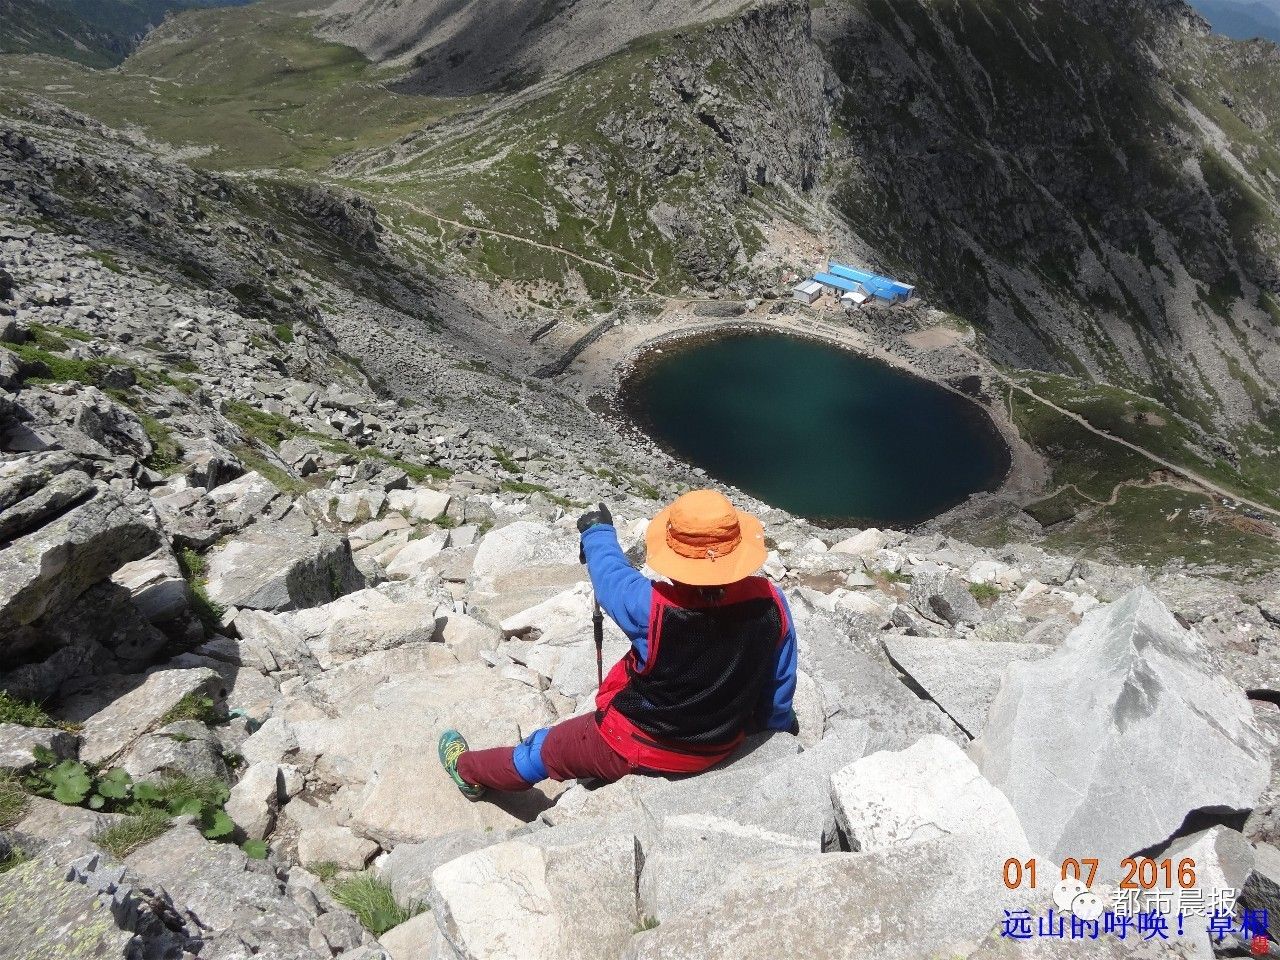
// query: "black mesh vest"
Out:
[707,669]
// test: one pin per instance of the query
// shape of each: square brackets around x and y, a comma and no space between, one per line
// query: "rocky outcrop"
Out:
[1130,699]
[278,568]
[75,534]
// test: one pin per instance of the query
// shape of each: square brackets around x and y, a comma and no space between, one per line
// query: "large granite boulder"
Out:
[960,676]
[231,897]
[545,896]
[523,544]
[1105,747]
[64,552]
[277,567]
[929,790]
[140,707]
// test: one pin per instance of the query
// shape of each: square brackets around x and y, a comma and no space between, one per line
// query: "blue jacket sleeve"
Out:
[782,686]
[624,592]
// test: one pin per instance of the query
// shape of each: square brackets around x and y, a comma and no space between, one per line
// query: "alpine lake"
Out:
[817,430]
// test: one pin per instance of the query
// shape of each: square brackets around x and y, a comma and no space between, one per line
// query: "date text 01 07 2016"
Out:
[1140,873]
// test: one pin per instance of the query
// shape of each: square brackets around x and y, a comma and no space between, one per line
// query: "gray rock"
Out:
[960,676]
[845,906]
[17,745]
[32,498]
[929,790]
[408,867]
[53,822]
[945,596]
[1261,890]
[540,898]
[1077,740]
[337,845]
[224,890]
[43,572]
[523,544]
[688,854]
[156,586]
[274,568]
[418,939]
[856,687]
[174,751]
[74,923]
[255,798]
[109,731]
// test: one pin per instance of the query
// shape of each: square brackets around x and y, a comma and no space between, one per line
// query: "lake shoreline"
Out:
[608,365]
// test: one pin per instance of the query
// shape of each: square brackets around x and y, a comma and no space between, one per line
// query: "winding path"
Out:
[550,248]
[1181,471]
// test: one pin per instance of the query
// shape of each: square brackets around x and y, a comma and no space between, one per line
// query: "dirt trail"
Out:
[551,248]
[1201,482]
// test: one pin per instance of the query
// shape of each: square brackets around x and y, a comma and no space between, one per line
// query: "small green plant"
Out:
[193,706]
[505,461]
[646,923]
[194,567]
[373,903]
[12,859]
[13,801]
[445,522]
[326,870]
[284,332]
[985,593]
[193,564]
[23,712]
[255,849]
[67,781]
[126,836]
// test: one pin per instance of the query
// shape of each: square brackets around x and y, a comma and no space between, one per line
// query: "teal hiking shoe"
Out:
[452,746]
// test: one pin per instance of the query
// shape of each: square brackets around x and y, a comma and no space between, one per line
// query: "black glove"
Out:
[589,519]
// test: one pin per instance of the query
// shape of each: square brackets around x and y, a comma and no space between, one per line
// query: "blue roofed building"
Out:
[849,280]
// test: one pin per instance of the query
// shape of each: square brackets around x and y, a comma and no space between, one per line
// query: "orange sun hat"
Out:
[702,540]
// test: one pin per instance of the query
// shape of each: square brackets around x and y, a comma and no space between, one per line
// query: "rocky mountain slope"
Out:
[266,608]
[95,32]
[1090,185]
[457,48]
[283,492]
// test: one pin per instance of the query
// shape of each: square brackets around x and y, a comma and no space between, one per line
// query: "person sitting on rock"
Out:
[713,656]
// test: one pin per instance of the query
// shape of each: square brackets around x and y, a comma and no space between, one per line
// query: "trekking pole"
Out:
[597,624]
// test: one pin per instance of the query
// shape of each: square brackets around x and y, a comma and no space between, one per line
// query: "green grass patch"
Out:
[282,478]
[166,452]
[193,706]
[126,836]
[373,903]
[284,332]
[326,870]
[14,858]
[194,567]
[41,365]
[268,428]
[985,593]
[23,712]
[13,801]
[1159,525]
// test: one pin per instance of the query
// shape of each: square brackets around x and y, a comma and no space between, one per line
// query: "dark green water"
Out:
[821,432]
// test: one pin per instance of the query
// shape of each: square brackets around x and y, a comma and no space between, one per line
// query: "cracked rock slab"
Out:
[960,676]
[1105,747]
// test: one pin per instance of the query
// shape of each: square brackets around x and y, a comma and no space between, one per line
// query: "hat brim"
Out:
[747,559]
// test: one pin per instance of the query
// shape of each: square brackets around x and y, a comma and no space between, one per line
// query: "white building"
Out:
[807,292]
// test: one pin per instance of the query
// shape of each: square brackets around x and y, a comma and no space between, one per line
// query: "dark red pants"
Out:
[573,750]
